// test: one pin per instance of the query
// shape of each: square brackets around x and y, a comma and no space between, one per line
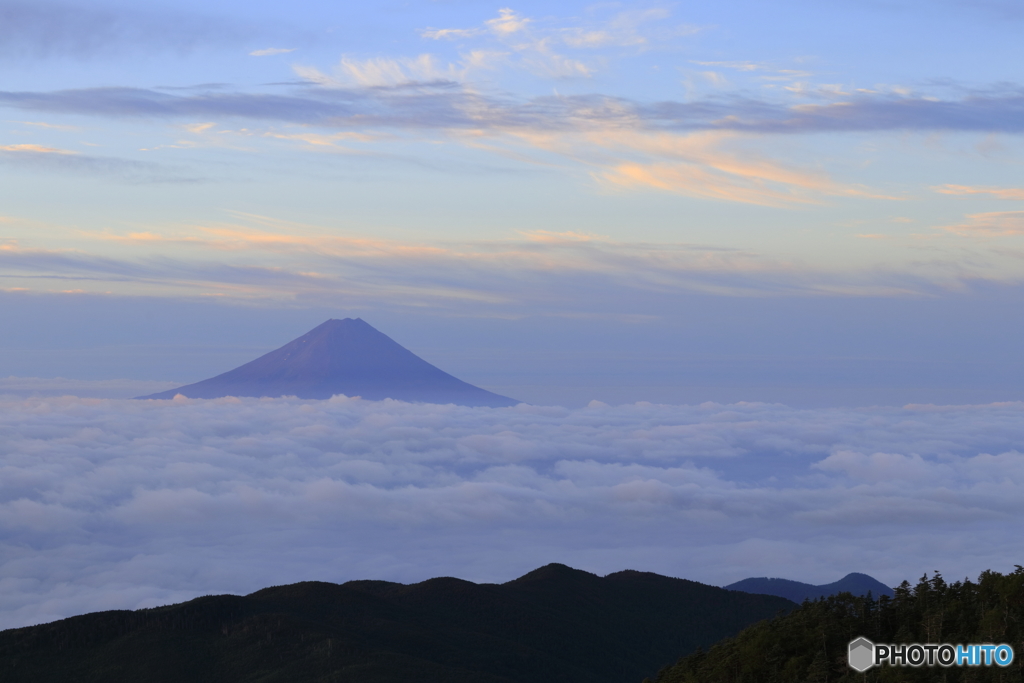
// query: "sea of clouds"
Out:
[108,503]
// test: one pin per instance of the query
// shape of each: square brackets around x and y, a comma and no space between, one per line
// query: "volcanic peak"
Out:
[342,357]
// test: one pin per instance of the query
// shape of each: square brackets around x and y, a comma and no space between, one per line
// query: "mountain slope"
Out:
[857,584]
[342,357]
[553,624]
[810,644]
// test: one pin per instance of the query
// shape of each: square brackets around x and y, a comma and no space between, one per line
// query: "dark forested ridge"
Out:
[553,624]
[810,644]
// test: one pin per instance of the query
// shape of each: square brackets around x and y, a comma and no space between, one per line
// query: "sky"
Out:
[615,201]
[809,214]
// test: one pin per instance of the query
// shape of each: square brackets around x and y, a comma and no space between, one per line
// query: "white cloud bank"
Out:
[122,504]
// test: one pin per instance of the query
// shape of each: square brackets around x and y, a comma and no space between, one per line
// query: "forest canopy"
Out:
[810,643]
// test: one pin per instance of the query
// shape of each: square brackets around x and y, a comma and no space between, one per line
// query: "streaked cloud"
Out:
[44,124]
[43,158]
[507,23]
[624,30]
[997,111]
[444,104]
[381,72]
[34,149]
[739,66]
[629,28]
[271,51]
[967,191]
[542,60]
[990,224]
[320,141]
[701,165]
[532,273]
[621,143]
[448,33]
[537,51]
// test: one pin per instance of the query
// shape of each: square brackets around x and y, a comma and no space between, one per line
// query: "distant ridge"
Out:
[858,584]
[555,623]
[342,357]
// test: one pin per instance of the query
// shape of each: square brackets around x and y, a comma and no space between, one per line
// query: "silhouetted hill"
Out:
[857,584]
[342,357]
[553,624]
[810,644]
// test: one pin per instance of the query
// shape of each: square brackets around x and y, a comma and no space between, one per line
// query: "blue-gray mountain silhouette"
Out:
[858,584]
[342,357]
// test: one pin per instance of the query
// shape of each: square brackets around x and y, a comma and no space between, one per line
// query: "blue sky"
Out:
[462,174]
[758,267]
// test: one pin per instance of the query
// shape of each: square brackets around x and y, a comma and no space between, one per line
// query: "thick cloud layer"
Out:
[122,504]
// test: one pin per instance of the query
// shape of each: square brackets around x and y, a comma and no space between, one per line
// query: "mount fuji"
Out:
[342,357]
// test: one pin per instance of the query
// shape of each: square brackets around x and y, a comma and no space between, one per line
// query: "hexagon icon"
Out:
[862,654]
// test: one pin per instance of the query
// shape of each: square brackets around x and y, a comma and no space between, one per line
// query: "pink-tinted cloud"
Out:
[1011,193]
[990,224]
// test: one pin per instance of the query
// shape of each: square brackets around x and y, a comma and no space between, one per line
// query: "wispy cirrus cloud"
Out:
[1012,193]
[446,104]
[383,72]
[739,66]
[629,28]
[996,111]
[510,46]
[507,23]
[700,164]
[622,142]
[511,34]
[32,156]
[288,263]
[562,274]
[29,148]
[449,33]
[990,224]
[712,164]
[271,51]
[47,125]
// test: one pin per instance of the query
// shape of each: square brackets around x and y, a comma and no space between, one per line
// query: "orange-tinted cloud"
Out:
[710,164]
[34,149]
[968,190]
[990,224]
